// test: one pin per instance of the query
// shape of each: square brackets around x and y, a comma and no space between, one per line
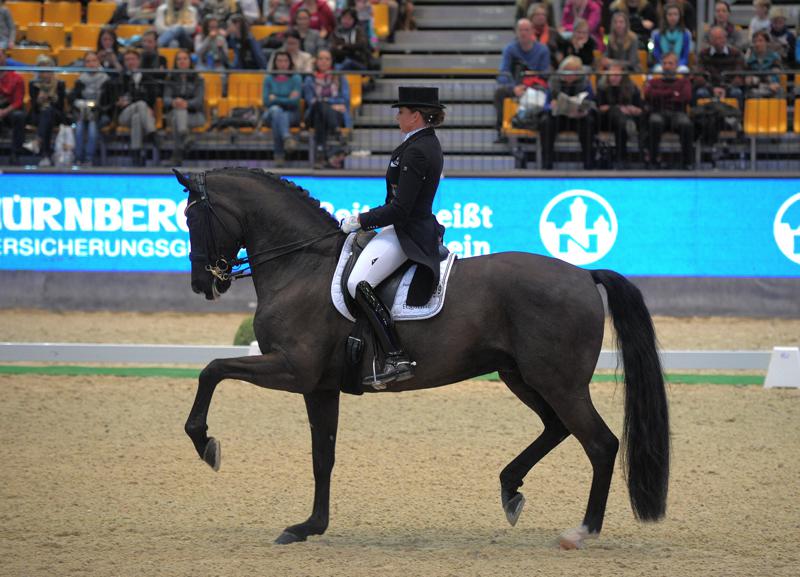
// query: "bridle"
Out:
[223,269]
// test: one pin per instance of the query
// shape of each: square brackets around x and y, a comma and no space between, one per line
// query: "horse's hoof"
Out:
[574,538]
[513,508]
[213,453]
[286,537]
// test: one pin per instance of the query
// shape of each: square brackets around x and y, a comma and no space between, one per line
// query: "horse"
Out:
[536,320]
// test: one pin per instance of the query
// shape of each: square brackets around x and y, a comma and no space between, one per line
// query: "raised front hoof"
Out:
[286,538]
[212,454]
[575,538]
[513,508]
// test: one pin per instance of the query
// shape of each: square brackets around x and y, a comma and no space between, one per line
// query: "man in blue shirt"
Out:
[521,55]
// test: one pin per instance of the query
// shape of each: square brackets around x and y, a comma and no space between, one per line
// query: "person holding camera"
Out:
[85,98]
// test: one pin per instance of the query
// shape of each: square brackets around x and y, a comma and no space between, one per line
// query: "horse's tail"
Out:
[646,425]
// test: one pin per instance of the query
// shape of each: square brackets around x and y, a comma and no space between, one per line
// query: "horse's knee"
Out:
[211,373]
[603,451]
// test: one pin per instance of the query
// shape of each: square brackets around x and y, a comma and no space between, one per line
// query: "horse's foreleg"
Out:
[270,371]
[323,417]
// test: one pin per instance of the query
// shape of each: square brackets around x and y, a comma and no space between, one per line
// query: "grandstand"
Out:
[456,46]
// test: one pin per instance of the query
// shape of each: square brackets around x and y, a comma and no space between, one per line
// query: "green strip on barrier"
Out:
[188,373]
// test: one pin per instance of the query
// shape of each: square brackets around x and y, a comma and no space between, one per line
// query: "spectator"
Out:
[220,9]
[762,59]
[761,20]
[48,97]
[310,39]
[623,45]
[689,15]
[717,61]
[364,12]
[250,11]
[570,105]
[522,55]
[151,59]
[135,99]
[8,31]
[579,44]
[667,97]
[12,112]
[210,45]
[322,17]
[722,18]
[620,106]
[247,53]
[183,102]
[672,37]
[108,49]
[542,32]
[281,91]
[782,40]
[135,12]
[349,46]
[276,12]
[525,10]
[642,16]
[327,99]
[86,98]
[302,61]
[587,10]
[176,23]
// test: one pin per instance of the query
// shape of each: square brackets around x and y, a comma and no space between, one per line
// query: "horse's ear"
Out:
[184,179]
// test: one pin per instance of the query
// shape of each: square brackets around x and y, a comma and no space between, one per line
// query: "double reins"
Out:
[222,268]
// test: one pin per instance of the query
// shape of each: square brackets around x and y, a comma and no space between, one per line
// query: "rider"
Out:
[409,230]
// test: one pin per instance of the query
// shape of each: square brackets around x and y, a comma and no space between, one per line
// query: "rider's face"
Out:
[407,119]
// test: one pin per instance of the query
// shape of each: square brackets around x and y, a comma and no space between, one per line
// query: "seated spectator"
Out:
[349,46]
[135,94]
[86,98]
[303,62]
[184,93]
[310,39]
[525,10]
[672,37]
[282,89]
[722,18]
[327,99]
[108,49]
[150,58]
[220,9]
[542,32]
[667,97]
[364,12]
[135,12]
[12,111]
[782,40]
[250,11]
[210,46]
[247,53]
[642,16]
[623,45]
[620,106]
[717,61]
[587,10]
[48,97]
[8,31]
[579,44]
[570,105]
[522,55]
[176,23]
[761,20]
[689,15]
[276,12]
[761,59]
[322,18]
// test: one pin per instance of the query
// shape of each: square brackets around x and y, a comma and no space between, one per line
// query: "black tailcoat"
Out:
[411,182]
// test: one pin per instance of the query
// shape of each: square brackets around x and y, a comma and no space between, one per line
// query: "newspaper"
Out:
[573,105]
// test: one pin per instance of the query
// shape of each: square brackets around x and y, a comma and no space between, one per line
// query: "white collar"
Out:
[409,134]
[712,51]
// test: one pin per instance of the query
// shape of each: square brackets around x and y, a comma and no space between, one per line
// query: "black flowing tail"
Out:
[646,425]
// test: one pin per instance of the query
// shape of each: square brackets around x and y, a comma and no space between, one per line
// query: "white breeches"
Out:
[381,257]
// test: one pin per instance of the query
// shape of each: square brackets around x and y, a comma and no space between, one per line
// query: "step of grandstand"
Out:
[482,163]
[471,16]
[460,114]
[442,63]
[450,89]
[454,140]
[444,41]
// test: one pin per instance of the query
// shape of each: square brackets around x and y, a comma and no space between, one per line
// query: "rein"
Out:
[223,269]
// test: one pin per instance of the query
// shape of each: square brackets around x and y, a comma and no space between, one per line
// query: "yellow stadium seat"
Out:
[212,93]
[169,55]
[27,77]
[729,101]
[28,55]
[638,80]
[260,32]
[510,108]
[797,115]
[25,13]
[69,79]
[765,116]
[85,35]
[380,20]
[51,34]
[245,89]
[643,60]
[100,12]
[67,13]
[130,30]
[67,56]
[354,81]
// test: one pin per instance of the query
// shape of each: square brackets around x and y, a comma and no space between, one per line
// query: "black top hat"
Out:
[418,96]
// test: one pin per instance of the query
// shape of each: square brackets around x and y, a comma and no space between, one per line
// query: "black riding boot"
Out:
[397,366]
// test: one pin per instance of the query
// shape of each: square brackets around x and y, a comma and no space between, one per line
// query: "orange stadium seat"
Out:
[355,83]
[69,79]
[28,55]
[260,32]
[27,77]
[380,20]
[25,13]
[67,13]
[797,116]
[85,35]
[169,55]
[100,12]
[68,56]
[130,30]
[212,93]
[765,116]
[51,34]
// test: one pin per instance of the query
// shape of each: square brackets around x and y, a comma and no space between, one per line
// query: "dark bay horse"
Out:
[538,321]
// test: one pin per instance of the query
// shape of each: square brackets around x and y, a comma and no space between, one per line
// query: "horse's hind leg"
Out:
[511,477]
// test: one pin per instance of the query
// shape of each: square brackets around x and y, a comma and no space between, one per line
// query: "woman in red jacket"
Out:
[322,17]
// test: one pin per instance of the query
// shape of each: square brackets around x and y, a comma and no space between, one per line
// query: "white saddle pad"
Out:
[400,310]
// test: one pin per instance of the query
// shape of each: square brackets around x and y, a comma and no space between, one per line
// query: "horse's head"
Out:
[215,235]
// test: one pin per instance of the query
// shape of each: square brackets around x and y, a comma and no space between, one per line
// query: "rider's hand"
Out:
[350,224]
